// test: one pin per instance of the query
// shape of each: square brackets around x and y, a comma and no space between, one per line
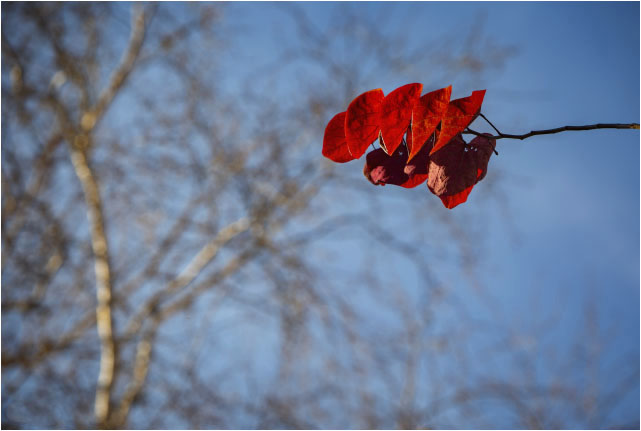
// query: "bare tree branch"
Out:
[95,213]
[139,374]
[103,282]
[501,135]
[206,254]
[92,117]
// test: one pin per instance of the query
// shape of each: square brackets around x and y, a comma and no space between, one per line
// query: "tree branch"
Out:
[206,254]
[557,130]
[103,283]
[91,118]
[139,375]
[90,186]
[145,344]
[30,355]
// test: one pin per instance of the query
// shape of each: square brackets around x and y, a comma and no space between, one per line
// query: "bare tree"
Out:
[171,250]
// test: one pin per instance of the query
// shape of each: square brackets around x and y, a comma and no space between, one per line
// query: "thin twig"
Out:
[557,130]
[490,123]
[497,131]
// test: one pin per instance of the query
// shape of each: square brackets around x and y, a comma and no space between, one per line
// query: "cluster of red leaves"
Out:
[434,149]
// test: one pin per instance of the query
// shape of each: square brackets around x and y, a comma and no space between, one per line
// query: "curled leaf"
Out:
[426,115]
[334,142]
[381,169]
[362,121]
[460,113]
[396,114]
[455,169]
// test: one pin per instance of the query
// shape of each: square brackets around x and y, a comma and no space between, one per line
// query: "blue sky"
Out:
[573,197]
[571,231]
[557,217]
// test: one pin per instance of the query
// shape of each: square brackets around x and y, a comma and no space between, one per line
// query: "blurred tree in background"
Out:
[174,245]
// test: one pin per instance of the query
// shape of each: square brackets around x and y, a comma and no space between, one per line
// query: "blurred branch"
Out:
[162,249]
[139,374]
[145,344]
[206,254]
[103,283]
[41,169]
[95,214]
[92,117]
[24,357]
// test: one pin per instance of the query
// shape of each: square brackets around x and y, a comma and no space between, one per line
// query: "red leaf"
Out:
[334,142]
[455,169]
[381,169]
[454,200]
[483,147]
[460,113]
[426,115]
[396,114]
[417,168]
[362,121]
[435,149]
